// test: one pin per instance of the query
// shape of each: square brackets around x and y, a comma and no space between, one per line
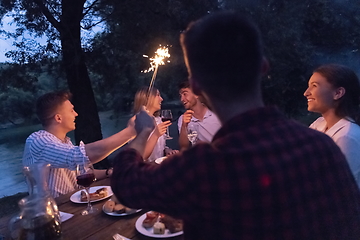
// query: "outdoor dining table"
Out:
[98,226]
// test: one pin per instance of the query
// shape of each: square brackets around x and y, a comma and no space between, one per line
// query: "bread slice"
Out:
[119,208]
[109,206]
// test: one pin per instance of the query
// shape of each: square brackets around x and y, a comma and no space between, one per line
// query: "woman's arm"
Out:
[160,129]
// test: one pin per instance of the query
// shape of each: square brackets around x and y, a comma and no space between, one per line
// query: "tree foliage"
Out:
[134,29]
[298,35]
[295,43]
[59,21]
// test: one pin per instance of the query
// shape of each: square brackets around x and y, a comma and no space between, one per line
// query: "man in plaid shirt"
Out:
[262,176]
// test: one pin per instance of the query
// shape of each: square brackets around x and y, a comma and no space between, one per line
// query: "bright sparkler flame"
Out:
[160,54]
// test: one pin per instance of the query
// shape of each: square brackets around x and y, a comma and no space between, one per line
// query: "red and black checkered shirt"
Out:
[262,177]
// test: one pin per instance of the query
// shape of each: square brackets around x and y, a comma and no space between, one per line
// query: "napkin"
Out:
[119,237]
[65,216]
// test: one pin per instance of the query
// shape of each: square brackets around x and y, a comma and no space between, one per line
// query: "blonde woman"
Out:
[156,144]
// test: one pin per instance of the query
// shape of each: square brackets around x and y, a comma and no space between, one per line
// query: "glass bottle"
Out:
[39,216]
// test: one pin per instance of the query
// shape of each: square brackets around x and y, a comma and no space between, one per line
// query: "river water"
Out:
[11,176]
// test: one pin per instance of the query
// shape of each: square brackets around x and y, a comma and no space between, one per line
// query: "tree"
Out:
[134,29]
[61,20]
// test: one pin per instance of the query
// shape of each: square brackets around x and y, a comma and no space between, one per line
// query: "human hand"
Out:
[131,125]
[169,151]
[161,128]
[187,117]
[144,121]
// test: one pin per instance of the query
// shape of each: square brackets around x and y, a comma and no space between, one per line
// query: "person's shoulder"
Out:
[36,134]
[40,136]
[211,115]
[350,130]
[301,131]
[317,122]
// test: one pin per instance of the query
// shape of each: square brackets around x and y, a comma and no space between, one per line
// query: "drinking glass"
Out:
[166,115]
[192,132]
[85,177]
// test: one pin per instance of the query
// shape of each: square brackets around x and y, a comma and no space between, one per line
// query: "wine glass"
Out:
[192,132]
[85,177]
[166,115]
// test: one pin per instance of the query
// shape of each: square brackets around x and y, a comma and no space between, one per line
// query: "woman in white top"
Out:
[156,144]
[334,92]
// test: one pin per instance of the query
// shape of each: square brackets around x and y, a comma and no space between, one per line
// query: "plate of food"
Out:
[113,207]
[157,225]
[97,193]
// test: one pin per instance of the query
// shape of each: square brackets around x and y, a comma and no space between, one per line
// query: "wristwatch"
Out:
[107,171]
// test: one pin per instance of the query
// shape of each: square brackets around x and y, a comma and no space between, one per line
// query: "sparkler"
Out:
[160,54]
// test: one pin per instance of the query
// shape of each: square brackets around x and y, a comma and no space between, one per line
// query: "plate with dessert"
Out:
[97,193]
[113,207]
[158,225]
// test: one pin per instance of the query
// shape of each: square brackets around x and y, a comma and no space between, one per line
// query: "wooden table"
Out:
[98,226]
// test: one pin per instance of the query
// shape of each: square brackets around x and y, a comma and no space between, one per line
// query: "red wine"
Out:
[85,180]
[164,119]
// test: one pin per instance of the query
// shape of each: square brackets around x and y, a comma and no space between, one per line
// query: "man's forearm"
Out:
[139,142]
[98,150]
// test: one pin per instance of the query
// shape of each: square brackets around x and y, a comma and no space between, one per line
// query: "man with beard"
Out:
[198,114]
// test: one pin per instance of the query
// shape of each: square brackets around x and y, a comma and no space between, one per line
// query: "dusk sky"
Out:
[5,44]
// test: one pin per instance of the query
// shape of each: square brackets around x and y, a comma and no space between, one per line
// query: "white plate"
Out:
[75,198]
[149,231]
[120,214]
[159,160]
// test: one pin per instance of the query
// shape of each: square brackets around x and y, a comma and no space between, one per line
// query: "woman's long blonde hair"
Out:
[141,97]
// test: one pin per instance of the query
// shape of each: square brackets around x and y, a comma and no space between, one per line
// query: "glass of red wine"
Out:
[166,115]
[85,177]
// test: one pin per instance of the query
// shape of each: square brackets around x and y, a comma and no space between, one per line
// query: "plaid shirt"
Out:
[262,177]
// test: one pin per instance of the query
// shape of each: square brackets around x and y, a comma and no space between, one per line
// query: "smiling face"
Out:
[188,98]
[155,102]
[321,95]
[66,116]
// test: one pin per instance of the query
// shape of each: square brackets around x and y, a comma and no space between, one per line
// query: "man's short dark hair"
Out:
[224,53]
[184,84]
[47,104]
